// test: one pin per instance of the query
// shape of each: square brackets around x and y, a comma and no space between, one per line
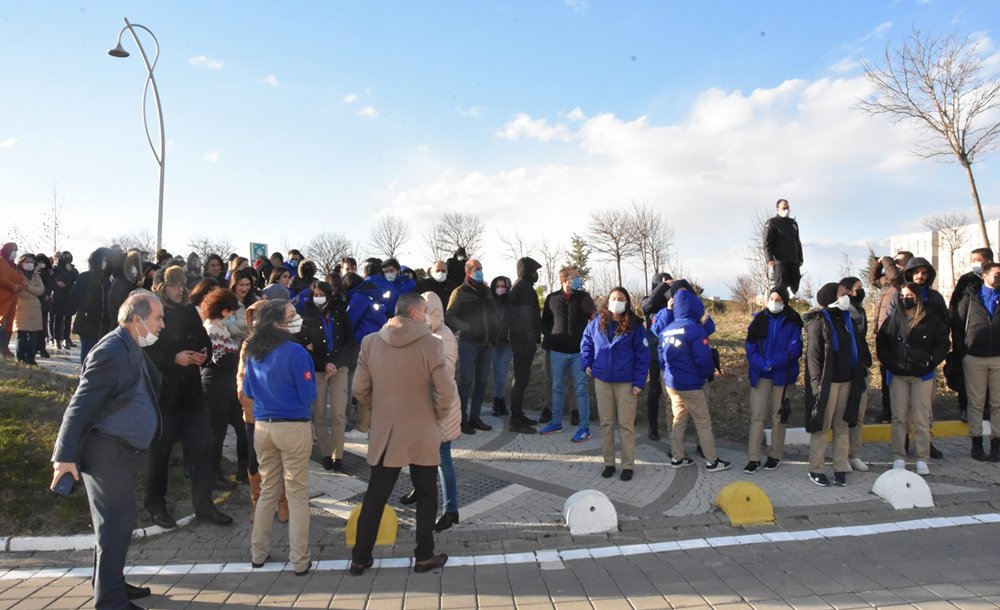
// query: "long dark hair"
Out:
[268,330]
[628,316]
[906,325]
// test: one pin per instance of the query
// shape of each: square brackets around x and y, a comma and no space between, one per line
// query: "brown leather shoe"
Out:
[433,563]
[357,569]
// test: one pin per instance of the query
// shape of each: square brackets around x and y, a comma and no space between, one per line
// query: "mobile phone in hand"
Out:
[64,486]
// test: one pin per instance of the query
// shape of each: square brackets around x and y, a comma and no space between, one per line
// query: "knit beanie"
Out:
[827,294]
[782,292]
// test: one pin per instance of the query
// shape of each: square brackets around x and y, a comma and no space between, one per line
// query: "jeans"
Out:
[449,484]
[563,364]
[501,356]
[473,360]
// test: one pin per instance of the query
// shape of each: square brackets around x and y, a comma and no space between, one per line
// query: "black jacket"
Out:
[62,304]
[565,319]
[972,330]
[472,313]
[964,282]
[525,319]
[442,289]
[933,300]
[339,354]
[504,311]
[915,352]
[90,296]
[781,240]
[182,330]
[820,359]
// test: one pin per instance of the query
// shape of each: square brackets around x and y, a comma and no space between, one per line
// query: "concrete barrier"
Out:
[590,512]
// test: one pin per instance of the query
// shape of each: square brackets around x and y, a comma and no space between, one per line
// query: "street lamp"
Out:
[159,155]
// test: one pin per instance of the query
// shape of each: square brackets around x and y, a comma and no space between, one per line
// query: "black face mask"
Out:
[858,297]
[533,277]
[908,302]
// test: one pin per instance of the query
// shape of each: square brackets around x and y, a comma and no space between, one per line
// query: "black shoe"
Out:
[134,592]
[885,417]
[819,479]
[608,472]
[977,449]
[468,429]
[717,466]
[305,571]
[338,465]
[500,407]
[430,564]
[994,450]
[521,426]
[479,424]
[446,521]
[840,479]
[327,463]
[409,497]
[963,415]
[255,565]
[132,606]
[751,467]
[357,569]
[626,474]
[681,462]
[70,344]
[771,463]
[653,434]
[223,484]
[936,453]
[574,418]
[546,416]
[214,516]
[162,518]
[528,420]
[44,353]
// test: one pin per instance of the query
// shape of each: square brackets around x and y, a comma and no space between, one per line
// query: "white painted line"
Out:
[548,559]
[491,501]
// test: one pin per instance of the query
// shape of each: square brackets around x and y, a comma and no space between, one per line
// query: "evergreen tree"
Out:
[578,255]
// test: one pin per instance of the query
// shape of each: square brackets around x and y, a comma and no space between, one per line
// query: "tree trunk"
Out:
[979,206]
[645,276]
[618,262]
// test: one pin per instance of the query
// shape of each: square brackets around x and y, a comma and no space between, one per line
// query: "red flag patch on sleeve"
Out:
[705,340]
[309,374]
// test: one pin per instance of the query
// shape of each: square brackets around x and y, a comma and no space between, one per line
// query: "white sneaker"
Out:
[356,435]
[922,468]
[899,464]
[858,464]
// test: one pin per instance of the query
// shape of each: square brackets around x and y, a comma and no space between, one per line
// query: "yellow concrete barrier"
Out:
[745,504]
[387,528]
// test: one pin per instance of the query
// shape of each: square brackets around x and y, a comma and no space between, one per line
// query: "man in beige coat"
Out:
[402,377]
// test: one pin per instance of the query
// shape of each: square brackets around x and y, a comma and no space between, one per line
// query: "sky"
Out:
[283,120]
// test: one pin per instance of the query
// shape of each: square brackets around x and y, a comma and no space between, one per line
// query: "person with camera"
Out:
[774,346]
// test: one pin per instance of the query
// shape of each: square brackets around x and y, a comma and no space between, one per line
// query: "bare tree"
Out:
[806,292]
[941,85]
[142,240]
[326,249]
[653,237]
[24,243]
[612,234]
[846,266]
[52,219]
[203,245]
[743,290]
[455,230]
[388,236]
[550,252]
[950,228]
[755,257]
[516,244]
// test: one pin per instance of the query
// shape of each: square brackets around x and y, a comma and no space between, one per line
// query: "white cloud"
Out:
[848,64]
[8,142]
[523,126]
[350,98]
[211,157]
[270,80]
[472,112]
[206,62]
[368,112]
[577,5]
[576,114]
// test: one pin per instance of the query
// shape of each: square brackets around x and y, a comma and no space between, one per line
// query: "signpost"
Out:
[257,251]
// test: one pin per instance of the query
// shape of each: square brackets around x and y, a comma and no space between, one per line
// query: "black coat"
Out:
[90,301]
[912,353]
[62,304]
[819,371]
[472,314]
[525,315]
[341,353]
[972,329]
[442,289]
[182,330]
[564,320]
[781,240]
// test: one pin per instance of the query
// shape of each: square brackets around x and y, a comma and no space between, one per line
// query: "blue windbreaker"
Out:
[684,346]
[665,318]
[366,311]
[623,358]
[777,356]
[386,295]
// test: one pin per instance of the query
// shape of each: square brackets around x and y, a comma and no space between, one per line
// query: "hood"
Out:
[527,266]
[401,331]
[435,310]
[116,262]
[307,269]
[919,261]
[97,257]
[132,268]
[460,254]
[7,249]
[688,306]
[493,287]
[659,278]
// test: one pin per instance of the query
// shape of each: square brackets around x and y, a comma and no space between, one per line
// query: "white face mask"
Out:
[501,290]
[390,277]
[616,307]
[783,213]
[320,301]
[295,325]
[149,339]
[976,268]
[28,266]
[440,276]
[843,303]
[775,307]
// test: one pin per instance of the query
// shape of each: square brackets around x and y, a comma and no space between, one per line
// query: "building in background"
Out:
[947,250]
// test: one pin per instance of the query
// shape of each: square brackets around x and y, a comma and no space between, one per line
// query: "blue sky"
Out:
[283,120]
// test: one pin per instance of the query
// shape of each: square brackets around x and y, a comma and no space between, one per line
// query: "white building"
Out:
[930,245]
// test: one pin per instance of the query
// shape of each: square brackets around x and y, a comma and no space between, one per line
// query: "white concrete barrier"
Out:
[590,512]
[903,489]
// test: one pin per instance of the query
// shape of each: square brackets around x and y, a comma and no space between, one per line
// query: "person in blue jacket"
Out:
[774,346]
[391,283]
[687,365]
[365,307]
[665,317]
[615,352]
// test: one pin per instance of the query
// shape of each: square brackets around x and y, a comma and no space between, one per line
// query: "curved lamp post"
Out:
[158,152]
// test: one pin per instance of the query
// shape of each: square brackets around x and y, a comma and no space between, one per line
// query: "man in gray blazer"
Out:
[110,421]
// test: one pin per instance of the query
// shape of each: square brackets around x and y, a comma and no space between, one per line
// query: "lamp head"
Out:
[118,51]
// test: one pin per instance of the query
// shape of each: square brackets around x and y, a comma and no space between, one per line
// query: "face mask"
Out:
[440,276]
[908,302]
[478,276]
[616,307]
[295,325]
[843,303]
[577,283]
[775,307]
[976,268]
[28,266]
[391,277]
[69,266]
[320,301]
[294,263]
[859,296]
[149,339]
[783,213]
[40,267]
[501,291]
[104,265]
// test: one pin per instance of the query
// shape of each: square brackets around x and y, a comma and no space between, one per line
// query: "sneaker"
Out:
[922,468]
[550,428]
[819,479]
[717,466]
[751,467]
[626,474]
[771,464]
[936,453]
[608,472]
[840,479]
[681,462]
[546,416]
[858,464]
[581,435]
[899,464]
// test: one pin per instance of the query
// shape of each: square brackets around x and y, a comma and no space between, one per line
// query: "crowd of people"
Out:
[276,351]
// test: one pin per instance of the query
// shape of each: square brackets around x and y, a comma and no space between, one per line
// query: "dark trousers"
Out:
[473,361]
[226,411]
[787,275]
[45,324]
[109,468]
[252,464]
[61,326]
[185,417]
[380,484]
[654,391]
[27,345]
[524,355]
[886,407]
[87,343]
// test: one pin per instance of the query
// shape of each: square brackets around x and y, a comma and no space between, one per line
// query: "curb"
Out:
[882,433]
[78,542]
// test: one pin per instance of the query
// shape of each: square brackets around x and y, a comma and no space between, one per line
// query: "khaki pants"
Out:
[856,434]
[833,414]
[616,405]
[980,374]
[330,392]
[910,398]
[691,402]
[765,399]
[283,450]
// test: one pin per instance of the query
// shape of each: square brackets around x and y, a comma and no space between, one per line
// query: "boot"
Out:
[546,416]
[254,493]
[241,472]
[500,407]
[283,506]
[995,449]
[977,449]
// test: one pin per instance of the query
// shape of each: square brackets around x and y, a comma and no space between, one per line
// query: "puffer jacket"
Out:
[564,320]
[774,357]
[972,330]
[525,321]
[90,296]
[472,313]
[912,352]
[820,354]
[620,358]
[29,307]
[684,346]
